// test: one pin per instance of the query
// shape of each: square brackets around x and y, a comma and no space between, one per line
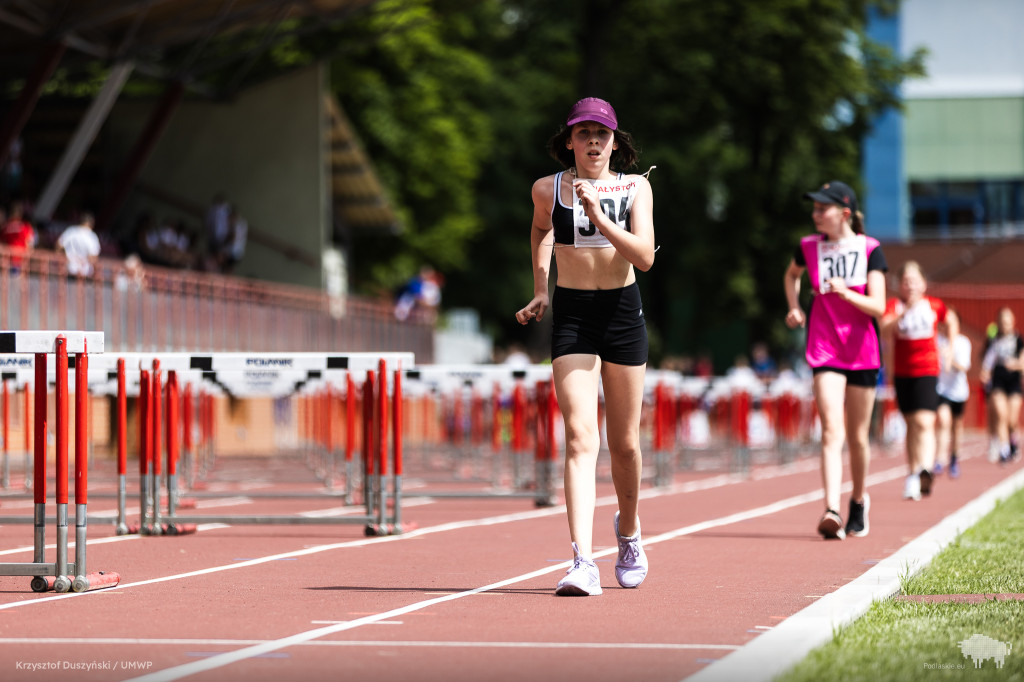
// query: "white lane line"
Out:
[678,488]
[92,641]
[98,541]
[785,645]
[228,658]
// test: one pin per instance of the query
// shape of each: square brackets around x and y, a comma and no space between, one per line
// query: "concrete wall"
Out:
[266,151]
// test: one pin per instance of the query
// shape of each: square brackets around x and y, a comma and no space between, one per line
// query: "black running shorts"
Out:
[863,378]
[956,407]
[1006,381]
[608,323]
[916,393]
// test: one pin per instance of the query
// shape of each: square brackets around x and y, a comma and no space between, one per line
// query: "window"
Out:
[961,208]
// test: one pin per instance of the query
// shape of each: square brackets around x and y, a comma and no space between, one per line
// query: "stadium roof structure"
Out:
[212,45]
[208,48]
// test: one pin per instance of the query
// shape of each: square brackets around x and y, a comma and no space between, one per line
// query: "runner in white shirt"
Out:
[953,390]
[81,245]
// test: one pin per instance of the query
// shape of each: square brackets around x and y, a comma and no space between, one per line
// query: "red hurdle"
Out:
[61,575]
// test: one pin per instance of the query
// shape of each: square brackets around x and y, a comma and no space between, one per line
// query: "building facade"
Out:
[951,164]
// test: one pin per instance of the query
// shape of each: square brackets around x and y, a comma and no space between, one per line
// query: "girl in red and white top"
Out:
[913,320]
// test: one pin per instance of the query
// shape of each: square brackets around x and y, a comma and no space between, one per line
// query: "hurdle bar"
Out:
[57,575]
[227,372]
[19,370]
[497,378]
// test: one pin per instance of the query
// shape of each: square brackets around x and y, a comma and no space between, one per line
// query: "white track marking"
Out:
[692,486]
[228,658]
[93,641]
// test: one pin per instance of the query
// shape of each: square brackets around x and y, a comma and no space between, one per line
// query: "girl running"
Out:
[1002,367]
[913,319]
[954,390]
[599,223]
[846,270]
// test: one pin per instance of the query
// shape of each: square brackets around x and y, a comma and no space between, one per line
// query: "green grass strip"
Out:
[918,641]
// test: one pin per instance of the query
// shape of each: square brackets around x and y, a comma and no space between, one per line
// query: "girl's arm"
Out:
[540,250]
[791,284]
[870,303]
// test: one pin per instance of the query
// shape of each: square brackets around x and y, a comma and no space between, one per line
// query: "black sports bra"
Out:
[564,218]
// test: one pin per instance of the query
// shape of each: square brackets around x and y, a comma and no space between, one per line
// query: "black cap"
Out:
[835,192]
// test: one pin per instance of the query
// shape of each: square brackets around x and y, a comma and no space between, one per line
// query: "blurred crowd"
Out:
[216,245]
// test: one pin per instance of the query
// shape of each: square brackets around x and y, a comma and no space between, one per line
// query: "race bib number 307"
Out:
[846,259]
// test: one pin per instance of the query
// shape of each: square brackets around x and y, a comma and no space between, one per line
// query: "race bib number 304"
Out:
[846,259]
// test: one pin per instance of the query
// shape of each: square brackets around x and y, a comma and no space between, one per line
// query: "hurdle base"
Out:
[46,583]
[179,528]
[374,530]
[43,583]
[95,581]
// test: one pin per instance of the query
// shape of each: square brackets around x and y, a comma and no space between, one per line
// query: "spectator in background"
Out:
[703,367]
[741,373]
[133,277]
[762,362]
[175,244]
[218,229]
[81,246]
[18,234]
[234,247]
[12,169]
[422,291]
[954,361]
[517,356]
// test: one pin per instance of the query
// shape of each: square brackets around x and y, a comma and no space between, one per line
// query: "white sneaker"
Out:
[631,567]
[994,450]
[581,580]
[912,488]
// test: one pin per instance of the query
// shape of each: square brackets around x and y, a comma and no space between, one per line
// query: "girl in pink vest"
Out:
[846,272]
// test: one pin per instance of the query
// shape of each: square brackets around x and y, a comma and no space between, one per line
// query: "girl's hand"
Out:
[587,194]
[534,310]
[837,285]
[795,318]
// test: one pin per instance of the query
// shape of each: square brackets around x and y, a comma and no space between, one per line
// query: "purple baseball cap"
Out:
[592,109]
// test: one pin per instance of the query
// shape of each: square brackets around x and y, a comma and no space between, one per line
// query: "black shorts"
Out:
[608,323]
[1004,380]
[864,378]
[916,393]
[956,407]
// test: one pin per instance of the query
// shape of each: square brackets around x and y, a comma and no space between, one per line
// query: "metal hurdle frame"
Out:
[17,369]
[280,374]
[61,575]
[487,381]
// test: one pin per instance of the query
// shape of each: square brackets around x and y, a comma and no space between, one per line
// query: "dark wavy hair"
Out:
[623,158]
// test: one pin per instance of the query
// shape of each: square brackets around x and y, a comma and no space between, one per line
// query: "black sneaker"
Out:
[831,526]
[857,523]
[926,482]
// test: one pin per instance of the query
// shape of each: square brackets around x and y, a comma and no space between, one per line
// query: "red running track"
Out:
[467,595]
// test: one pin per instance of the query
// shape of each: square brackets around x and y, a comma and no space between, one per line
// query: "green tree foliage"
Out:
[415,92]
[743,106]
